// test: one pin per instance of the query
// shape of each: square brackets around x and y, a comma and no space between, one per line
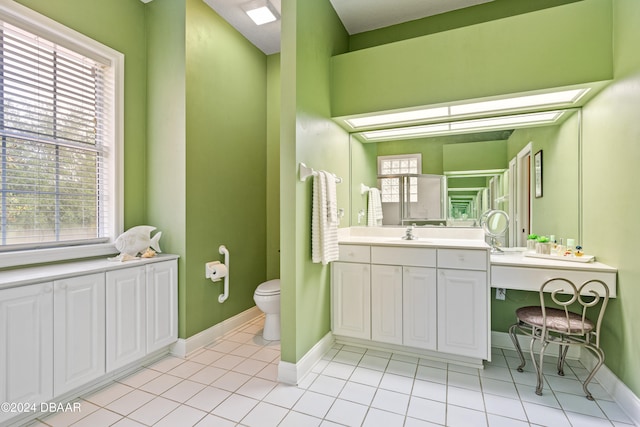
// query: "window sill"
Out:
[39,256]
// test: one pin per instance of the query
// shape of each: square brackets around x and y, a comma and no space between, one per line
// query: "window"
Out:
[398,165]
[60,135]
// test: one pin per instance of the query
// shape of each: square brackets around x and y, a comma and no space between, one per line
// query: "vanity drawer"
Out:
[418,257]
[354,253]
[463,259]
[530,279]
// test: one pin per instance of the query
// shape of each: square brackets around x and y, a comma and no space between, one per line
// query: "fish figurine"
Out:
[136,240]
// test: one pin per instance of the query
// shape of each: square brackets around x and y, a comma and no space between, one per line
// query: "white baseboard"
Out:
[628,401]
[293,373]
[183,347]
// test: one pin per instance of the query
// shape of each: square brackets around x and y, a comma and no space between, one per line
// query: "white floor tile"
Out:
[206,357]
[429,373]
[463,380]
[373,362]
[397,383]
[314,404]
[296,419]
[256,388]
[358,393]
[152,412]
[228,361]
[338,370]
[128,422]
[545,416]
[585,420]
[245,350]
[265,415]
[208,398]
[235,407]
[215,421]
[347,357]
[498,387]
[405,358]
[250,366]
[270,372]
[327,385]
[399,367]
[284,395]
[183,416]
[183,391]
[579,404]
[498,421]
[140,377]
[366,376]
[466,398]
[347,413]
[130,402]
[100,418]
[64,419]
[614,412]
[378,418]
[207,375]
[462,417]
[160,384]
[427,410]
[108,394]
[391,401]
[186,369]
[511,408]
[414,422]
[231,381]
[224,346]
[266,355]
[528,394]
[166,364]
[430,390]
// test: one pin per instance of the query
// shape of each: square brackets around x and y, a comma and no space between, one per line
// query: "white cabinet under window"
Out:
[79,331]
[162,304]
[64,326]
[126,316]
[26,345]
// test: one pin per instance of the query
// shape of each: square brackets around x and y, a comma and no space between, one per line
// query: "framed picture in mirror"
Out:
[537,168]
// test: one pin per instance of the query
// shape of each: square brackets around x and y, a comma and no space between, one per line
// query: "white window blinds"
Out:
[55,126]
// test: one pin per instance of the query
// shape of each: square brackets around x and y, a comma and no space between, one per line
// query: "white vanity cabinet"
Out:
[26,345]
[351,300]
[126,316]
[79,331]
[413,298]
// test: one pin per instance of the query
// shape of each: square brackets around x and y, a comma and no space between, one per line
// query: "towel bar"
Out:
[306,172]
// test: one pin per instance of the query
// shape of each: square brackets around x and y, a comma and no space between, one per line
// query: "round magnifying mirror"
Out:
[495,224]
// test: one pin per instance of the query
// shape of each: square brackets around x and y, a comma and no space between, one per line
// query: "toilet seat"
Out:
[271,287]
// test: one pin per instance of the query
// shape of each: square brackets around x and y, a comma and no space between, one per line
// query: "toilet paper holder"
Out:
[215,270]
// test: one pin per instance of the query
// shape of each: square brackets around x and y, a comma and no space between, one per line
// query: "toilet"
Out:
[267,298]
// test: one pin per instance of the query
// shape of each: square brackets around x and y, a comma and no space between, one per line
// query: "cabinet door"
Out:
[26,345]
[126,316]
[79,319]
[386,303]
[162,304]
[351,300]
[463,312]
[419,293]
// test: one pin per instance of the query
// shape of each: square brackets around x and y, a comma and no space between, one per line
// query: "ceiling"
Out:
[356,15]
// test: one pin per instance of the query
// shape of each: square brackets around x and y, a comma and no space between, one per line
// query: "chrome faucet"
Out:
[409,234]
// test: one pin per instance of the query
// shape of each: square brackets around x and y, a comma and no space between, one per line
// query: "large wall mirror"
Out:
[474,172]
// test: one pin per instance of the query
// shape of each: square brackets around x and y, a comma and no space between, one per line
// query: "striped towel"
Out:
[374,208]
[324,219]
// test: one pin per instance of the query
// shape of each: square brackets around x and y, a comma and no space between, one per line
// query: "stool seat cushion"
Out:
[556,320]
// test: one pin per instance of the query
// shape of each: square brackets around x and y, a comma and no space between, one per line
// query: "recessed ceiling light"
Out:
[507,121]
[260,11]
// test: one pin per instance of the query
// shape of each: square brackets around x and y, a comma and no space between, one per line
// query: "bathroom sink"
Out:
[417,241]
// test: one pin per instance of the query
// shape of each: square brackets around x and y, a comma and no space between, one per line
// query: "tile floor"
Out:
[233,382]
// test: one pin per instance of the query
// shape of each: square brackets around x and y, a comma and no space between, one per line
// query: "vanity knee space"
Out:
[419,298]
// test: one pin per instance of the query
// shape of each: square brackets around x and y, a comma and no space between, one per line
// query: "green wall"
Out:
[564,45]
[225,78]
[98,19]
[611,131]
[273,166]
[470,156]
[485,12]
[311,35]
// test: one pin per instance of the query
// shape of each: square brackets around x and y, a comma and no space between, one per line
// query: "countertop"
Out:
[428,237]
[517,259]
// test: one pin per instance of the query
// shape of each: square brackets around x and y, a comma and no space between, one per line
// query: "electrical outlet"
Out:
[501,293]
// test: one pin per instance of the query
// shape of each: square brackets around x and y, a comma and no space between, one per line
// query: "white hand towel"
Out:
[374,208]
[324,233]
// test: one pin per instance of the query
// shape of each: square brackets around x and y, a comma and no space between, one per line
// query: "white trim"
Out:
[623,396]
[30,20]
[293,373]
[184,347]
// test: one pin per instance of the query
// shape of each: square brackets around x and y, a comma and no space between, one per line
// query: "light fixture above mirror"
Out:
[477,108]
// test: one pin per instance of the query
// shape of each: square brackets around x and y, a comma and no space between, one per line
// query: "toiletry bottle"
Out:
[570,247]
[560,248]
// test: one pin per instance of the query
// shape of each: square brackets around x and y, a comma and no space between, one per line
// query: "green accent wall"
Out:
[495,9]
[611,131]
[273,166]
[98,20]
[564,45]
[311,35]
[475,156]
